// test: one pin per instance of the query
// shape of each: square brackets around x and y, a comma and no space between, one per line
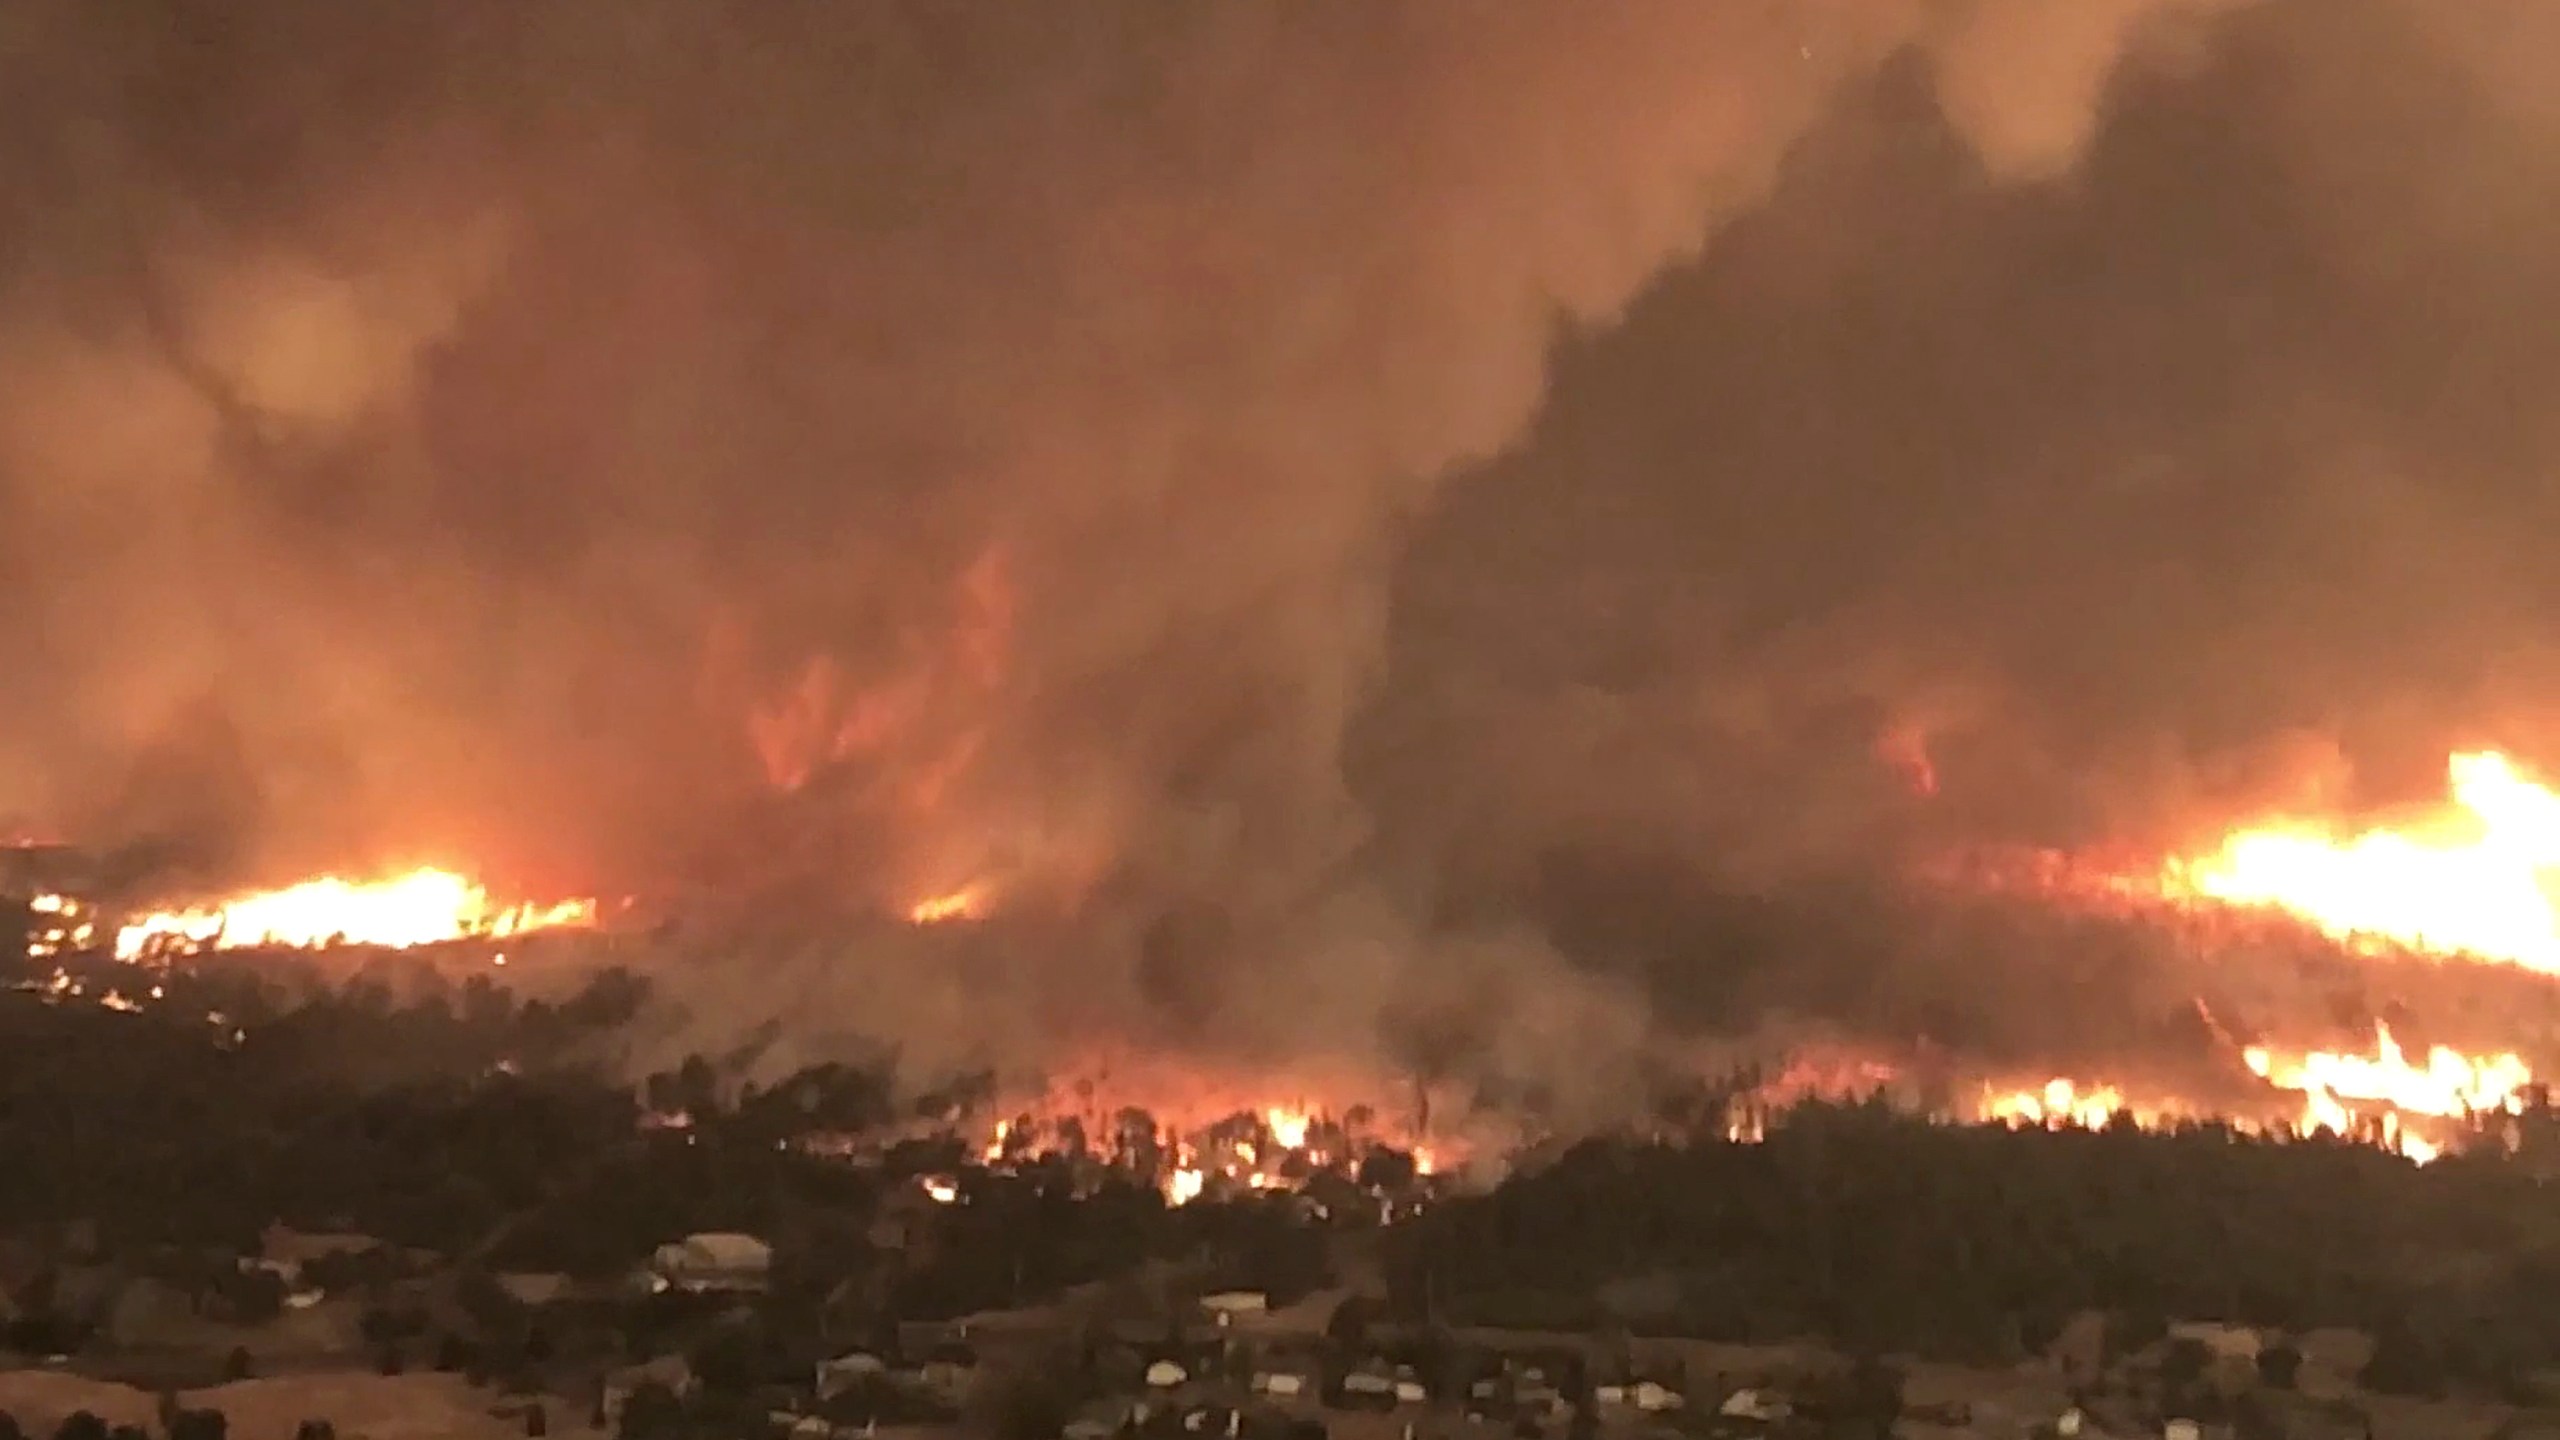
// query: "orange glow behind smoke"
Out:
[1905,751]
[2472,878]
[423,907]
[908,725]
[965,903]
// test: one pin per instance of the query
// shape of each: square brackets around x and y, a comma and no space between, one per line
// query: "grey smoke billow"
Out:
[1188,461]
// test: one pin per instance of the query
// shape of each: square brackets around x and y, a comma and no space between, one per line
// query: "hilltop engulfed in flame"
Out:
[423,907]
[2471,879]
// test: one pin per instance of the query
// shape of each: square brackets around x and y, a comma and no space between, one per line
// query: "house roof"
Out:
[535,1288]
[725,1250]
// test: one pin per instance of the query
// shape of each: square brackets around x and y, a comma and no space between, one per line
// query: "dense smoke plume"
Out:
[1104,456]
[2201,484]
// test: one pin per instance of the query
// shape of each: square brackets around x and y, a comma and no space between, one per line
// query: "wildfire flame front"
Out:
[423,907]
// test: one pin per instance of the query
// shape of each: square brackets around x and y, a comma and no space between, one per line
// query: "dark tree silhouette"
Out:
[200,1425]
[1032,1407]
[651,1412]
[1348,1328]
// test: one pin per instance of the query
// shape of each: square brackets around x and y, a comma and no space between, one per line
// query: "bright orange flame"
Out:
[2370,1097]
[2059,1103]
[1288,1127]
[423,907]
[2449,1085]
[2470,879]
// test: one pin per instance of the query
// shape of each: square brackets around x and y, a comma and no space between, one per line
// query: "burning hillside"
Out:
[422,907]
[1273,1150]
[1377,536]
[2400,898]
[2442,888]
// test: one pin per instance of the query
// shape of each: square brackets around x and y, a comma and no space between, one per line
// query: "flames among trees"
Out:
[2467,881]
[2471,870]
[422,907]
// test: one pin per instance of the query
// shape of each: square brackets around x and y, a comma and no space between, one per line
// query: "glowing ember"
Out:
[2470,879]
[424,907]
[1905,750]
[59,925]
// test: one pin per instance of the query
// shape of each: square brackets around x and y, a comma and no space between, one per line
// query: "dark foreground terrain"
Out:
[224,1186]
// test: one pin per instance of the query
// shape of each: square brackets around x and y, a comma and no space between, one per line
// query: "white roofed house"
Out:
[1227,1307]
[533,1290]
[715,1261]
[1280,1384]
[849,1372]
[1370,1386]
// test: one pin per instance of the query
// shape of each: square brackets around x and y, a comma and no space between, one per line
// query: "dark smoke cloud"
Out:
[2127,490]
[516,435]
